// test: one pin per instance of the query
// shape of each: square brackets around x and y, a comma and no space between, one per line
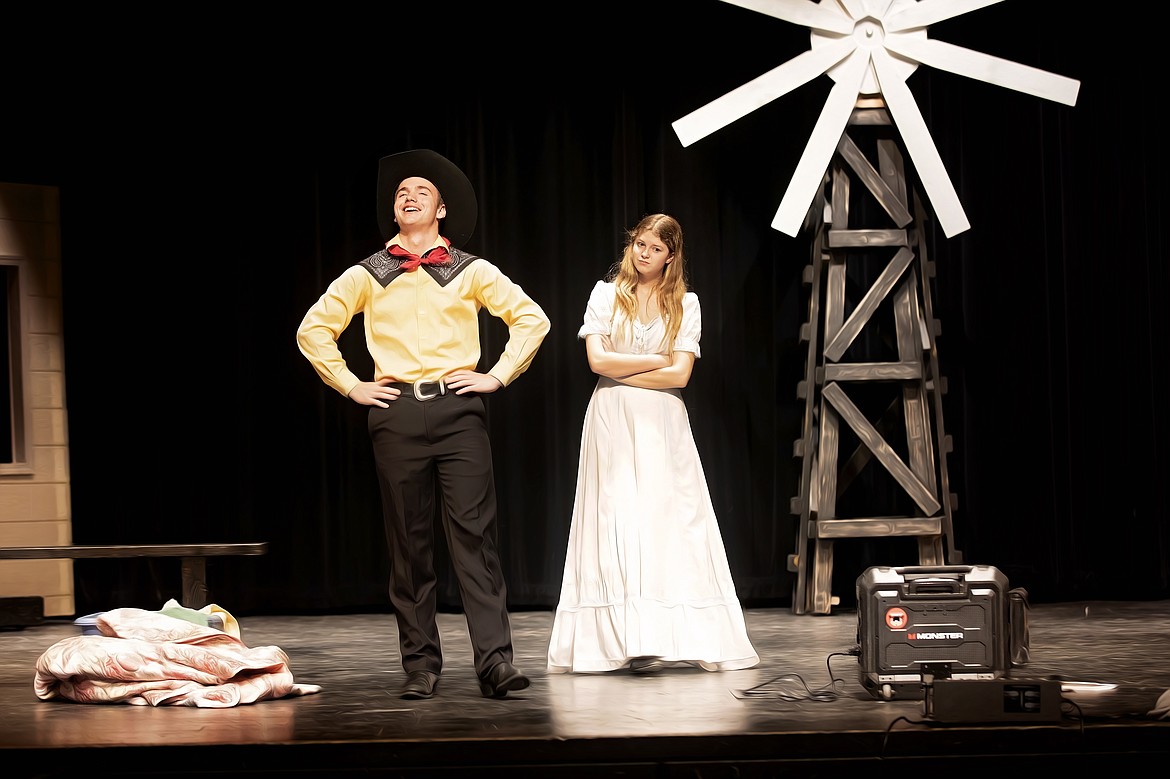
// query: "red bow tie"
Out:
[435,256]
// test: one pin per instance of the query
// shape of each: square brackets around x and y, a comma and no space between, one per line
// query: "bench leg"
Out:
[194,582]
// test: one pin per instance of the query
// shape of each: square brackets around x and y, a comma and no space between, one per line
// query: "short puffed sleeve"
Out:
[691,328]
[598,311]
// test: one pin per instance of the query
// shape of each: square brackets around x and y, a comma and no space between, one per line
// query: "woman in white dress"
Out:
[646,582]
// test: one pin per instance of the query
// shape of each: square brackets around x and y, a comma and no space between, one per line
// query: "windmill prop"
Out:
[871,376]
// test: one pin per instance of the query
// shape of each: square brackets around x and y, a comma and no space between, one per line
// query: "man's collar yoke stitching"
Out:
[385,267]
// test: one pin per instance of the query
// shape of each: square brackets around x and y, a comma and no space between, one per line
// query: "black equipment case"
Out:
[936,622]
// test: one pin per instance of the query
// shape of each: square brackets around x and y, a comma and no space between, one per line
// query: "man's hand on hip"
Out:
[463,381]
[374,393]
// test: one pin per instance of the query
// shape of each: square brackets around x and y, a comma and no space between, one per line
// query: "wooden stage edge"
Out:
[803,712]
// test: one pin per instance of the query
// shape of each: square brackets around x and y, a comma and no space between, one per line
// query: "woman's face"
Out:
[650,255]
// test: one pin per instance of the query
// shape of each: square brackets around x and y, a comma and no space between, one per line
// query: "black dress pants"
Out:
[418,445]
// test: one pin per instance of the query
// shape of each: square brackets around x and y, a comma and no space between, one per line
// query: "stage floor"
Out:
[802,712]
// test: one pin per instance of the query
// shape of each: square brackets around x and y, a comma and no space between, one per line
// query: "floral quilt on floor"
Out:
[148,658]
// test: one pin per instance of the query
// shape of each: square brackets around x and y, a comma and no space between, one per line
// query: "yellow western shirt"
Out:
[421,325]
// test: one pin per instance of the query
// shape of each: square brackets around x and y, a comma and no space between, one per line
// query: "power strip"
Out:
[992,700]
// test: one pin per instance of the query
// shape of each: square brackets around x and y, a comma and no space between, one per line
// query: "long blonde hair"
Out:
[671,287]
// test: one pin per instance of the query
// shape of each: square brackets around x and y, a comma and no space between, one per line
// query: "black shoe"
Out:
[419,684]
[502,679]
[647,665]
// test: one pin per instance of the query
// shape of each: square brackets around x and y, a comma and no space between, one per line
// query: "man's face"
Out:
[417,203]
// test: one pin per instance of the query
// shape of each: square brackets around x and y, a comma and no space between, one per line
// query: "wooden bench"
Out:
[194,559]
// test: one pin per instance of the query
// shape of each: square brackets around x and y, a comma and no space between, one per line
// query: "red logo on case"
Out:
[896,618]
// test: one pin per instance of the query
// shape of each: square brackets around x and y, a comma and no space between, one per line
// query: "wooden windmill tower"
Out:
[873,446]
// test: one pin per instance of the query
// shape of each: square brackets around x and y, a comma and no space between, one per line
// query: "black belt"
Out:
[422,390]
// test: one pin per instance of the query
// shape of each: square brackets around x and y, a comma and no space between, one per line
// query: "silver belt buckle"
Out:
[420,395]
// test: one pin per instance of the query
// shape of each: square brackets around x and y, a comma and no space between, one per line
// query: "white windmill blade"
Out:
[912,127]
[927,12]
[859,9]
[802,12]
[985,67]
[875,8]
[855,8]
[759,91]
[810,171]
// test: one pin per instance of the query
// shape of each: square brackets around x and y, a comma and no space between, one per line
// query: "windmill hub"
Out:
[869,33]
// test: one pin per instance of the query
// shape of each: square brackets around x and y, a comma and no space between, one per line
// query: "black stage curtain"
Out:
[215,175]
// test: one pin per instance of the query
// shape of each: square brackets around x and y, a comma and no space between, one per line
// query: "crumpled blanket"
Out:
[147,658]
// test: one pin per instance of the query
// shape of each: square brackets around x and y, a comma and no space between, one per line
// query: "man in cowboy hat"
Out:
[420,297]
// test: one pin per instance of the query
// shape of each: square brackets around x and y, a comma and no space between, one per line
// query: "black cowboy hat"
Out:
[454,188]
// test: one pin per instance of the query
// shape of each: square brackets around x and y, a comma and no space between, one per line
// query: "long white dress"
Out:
[646,572]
